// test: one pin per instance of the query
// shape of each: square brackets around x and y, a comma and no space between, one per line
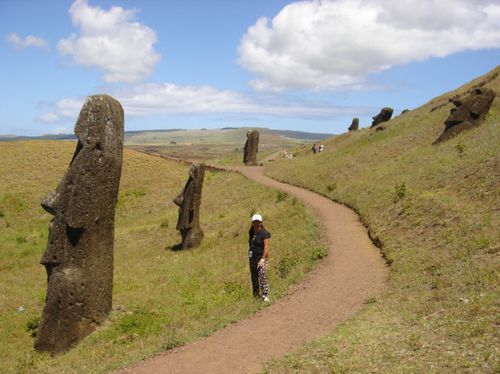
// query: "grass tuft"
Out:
[32,325]
[281,196]
[400,191]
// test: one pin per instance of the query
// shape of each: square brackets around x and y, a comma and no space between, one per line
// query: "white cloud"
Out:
[329,44]
[150,99]
[28,41]
[62,130]
[111,41]
[63,110]
[170,98]
[49,117]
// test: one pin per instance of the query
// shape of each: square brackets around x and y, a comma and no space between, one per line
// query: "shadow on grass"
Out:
[175,247]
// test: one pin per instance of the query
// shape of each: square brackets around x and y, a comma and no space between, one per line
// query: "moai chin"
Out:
[79,253]
[251,148]
[189,201]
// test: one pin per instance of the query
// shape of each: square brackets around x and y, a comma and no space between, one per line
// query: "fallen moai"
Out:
[384,116]
[468,112]
[79,253]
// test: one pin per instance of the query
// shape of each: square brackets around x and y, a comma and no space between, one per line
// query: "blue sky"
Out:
[305,65]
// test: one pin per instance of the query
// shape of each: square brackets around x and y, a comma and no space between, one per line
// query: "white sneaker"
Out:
[265,299]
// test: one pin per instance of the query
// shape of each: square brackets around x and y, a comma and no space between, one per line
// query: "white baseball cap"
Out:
[257,217]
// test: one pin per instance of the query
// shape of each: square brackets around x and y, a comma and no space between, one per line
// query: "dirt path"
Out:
[352,272]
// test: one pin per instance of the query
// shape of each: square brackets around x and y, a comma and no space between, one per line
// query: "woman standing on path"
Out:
[258,239]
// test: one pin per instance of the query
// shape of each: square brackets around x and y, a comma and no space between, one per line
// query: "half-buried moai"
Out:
[189,201]
[79,253]
[251,148]
[384,116]
[467,113]
[354,125]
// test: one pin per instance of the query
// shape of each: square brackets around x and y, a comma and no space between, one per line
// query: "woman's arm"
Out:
[266,248]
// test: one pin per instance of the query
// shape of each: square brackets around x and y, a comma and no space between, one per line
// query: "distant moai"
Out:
[384,116]
[354,125]
[251,148]
[79,253]
[189,201]
[467,113]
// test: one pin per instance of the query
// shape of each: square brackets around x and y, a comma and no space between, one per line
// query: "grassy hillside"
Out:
[434,210]
[223,146]
[161,298]
[233,135]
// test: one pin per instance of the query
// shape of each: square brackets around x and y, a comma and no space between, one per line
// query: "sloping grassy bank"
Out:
[435,211]
[162,298]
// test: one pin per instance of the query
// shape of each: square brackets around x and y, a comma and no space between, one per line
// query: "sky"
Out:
[308,65]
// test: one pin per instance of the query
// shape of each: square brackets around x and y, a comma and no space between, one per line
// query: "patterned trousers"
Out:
[260,283]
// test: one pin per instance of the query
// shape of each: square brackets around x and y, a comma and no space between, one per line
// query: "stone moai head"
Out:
[354,125]
[467,113]
[251,148]
[384,116]
[189,201]
[79,253]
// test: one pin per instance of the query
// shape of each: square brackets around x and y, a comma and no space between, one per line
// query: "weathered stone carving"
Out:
[354,125]
[189,201]
[384,116]
[251,148]
[79,253]
[467,113]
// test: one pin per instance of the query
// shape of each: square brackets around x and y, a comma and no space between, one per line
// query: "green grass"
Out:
[434,209]
[162,298]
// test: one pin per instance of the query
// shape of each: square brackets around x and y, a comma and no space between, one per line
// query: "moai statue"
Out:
[467,113]
[384,116]
[79,253]
[251,148]
[354,125]
[189,201]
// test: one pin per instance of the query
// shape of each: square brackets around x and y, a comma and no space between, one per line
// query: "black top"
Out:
[256,243]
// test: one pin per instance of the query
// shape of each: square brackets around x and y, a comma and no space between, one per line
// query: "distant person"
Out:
[321,147]
[258,252]
[314,148]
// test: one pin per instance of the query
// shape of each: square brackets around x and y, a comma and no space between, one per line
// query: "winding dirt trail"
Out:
[352,272]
